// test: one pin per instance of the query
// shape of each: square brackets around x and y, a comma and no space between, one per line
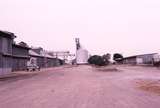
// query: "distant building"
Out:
[20,55]
[43,59]
[36,59]
[37,54]
[6,42]
[50,61]
[139,59]
[64,56]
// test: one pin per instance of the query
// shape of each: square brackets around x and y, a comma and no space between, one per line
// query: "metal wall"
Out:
[19,51]
[147,59]
[6,45]
[19,64]
[6,65]
[44,62]
[1,44]
[5,61]
[132,61]
[0,60]
[51,62]
[20,59]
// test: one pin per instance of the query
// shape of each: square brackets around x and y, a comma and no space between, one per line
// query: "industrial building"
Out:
[43,59]
[15,57]
[63,56]
[36,58]
[6,42]
[81,53]
[20,56]
[50,60]
[139,59]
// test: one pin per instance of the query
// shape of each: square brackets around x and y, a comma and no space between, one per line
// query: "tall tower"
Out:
[81,54]
[77,44]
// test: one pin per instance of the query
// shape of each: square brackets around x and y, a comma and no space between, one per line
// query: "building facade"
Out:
[36,59]
[20,56]
[43,59]
[15,57]
[6,41]
[139,59]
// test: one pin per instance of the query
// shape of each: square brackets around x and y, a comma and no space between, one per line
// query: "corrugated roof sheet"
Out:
[139,55]
[31,52]
[17,45]
[8,34]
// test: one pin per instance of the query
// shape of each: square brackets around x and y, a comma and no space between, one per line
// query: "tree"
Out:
[93,59]
[118,57]
[97,60]
[106,58]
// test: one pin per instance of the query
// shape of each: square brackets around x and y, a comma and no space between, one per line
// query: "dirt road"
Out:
[81,87]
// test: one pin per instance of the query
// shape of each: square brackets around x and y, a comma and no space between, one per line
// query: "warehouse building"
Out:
[43,59]
[36,59]
[139,59]
[20,56]
[15,57]
[6,41]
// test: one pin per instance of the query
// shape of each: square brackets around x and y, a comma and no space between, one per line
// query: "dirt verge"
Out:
[107,69]
[149,85]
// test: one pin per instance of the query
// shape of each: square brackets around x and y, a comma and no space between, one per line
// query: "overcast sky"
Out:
[124,26]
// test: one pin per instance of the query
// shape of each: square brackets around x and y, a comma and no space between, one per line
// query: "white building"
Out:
[82,54]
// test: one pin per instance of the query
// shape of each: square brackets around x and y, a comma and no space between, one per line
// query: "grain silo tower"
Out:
[81,53]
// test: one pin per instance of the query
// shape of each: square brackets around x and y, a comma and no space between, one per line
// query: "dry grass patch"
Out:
[149,85]
[107,69]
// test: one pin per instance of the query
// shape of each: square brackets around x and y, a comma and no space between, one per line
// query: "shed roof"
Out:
[7,34]
[139,55]
[46,54]
[20,56]
[33,53]
[20,46]
[49,56]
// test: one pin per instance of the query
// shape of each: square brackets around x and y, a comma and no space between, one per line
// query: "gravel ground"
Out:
[81,87]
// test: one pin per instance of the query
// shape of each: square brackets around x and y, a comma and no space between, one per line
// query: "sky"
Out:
[128,27]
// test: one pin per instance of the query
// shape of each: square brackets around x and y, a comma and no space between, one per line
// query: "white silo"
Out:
[81,54]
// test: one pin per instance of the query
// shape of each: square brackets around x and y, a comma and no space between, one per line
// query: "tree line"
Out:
[104,59]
